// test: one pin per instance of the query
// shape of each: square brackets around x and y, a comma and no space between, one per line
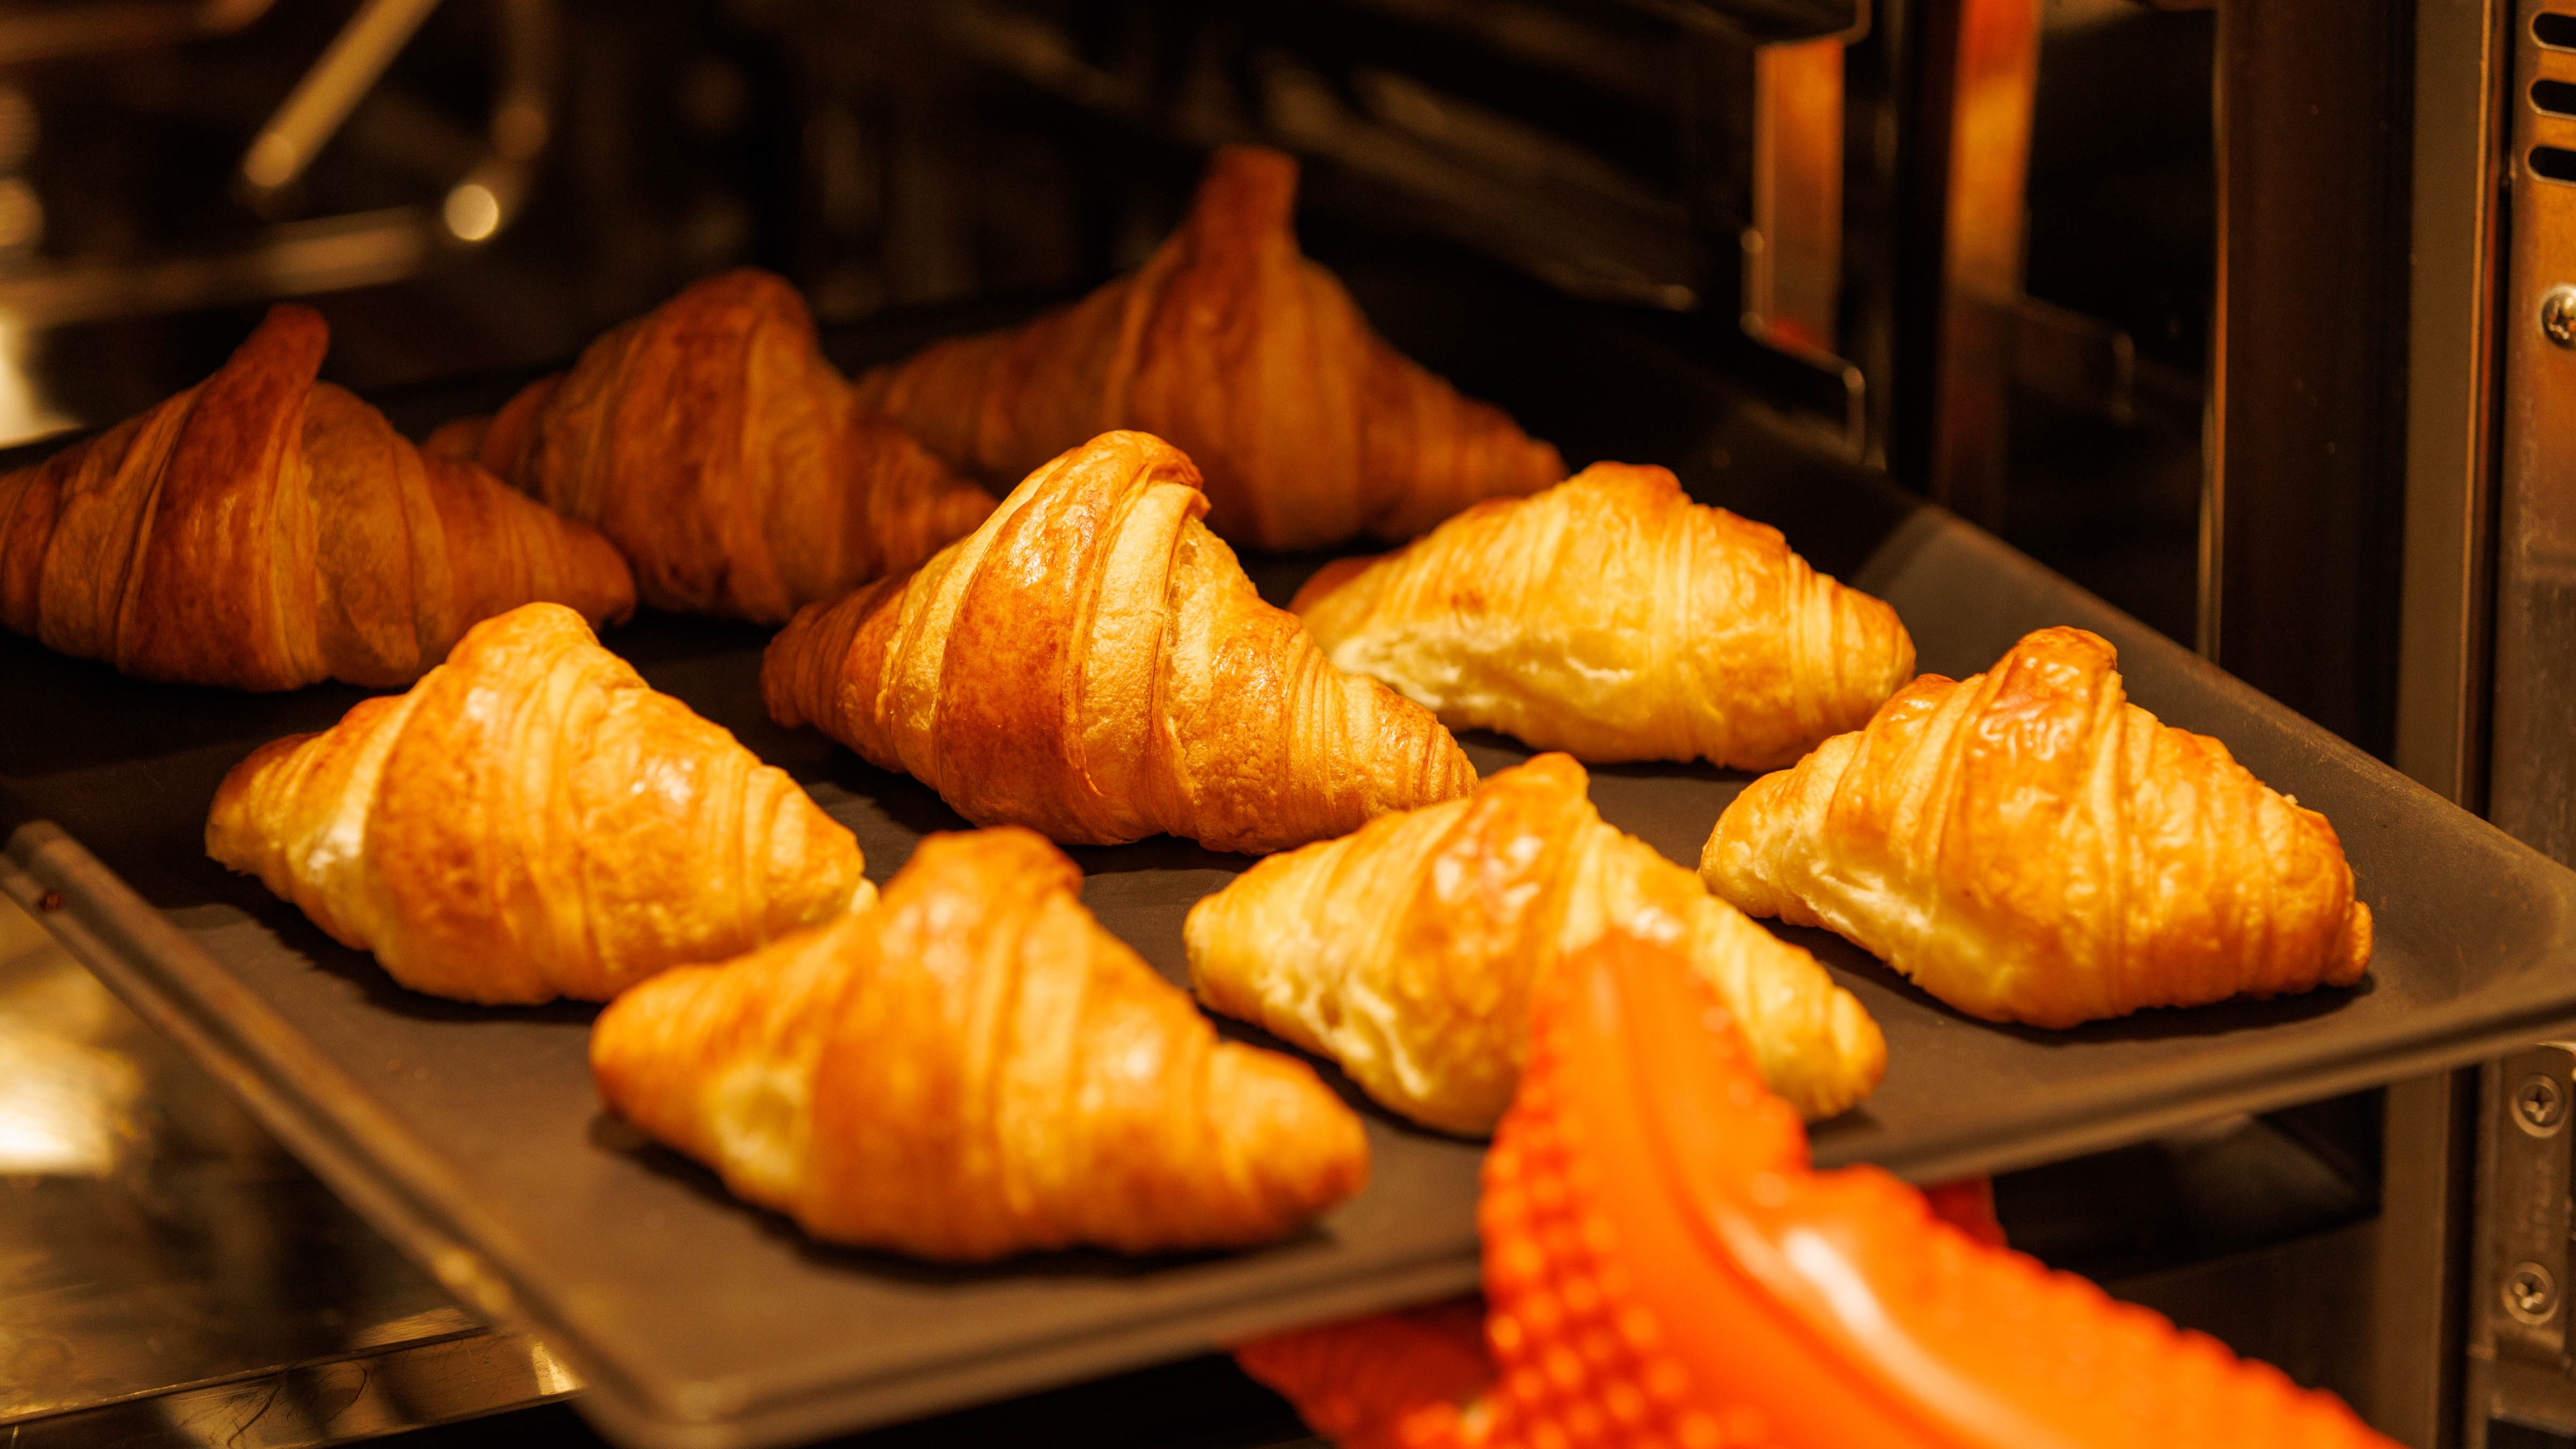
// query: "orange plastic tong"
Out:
[1665,1268]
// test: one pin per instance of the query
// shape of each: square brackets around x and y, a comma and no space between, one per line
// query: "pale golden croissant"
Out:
[973,1069]
[265,531]
[2029,846]
[1248,357]
[1408,951]
[1092,662]
[711,441]
[531,821]
[1612,617]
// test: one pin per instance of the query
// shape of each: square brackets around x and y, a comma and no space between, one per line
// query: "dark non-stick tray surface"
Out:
[473,1136]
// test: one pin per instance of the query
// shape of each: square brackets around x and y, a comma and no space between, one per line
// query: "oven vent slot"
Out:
[2553,163]
[2554,30]
[2556,97]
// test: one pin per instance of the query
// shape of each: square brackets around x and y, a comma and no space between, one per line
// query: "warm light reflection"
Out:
[473,212]
[67,1092]
[25,411]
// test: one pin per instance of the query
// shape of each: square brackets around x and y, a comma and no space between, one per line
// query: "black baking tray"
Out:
[472,1136]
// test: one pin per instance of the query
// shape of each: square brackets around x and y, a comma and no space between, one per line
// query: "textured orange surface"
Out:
[1663,1268]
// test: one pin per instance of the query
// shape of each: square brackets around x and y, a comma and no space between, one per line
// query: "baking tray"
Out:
[472,1136]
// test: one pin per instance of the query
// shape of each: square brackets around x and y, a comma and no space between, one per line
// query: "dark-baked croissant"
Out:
[714,444]
[1093,663]
[972,1069]
[263,530]
[2029,846]
[1249,358]
[1613,618]
[531,821]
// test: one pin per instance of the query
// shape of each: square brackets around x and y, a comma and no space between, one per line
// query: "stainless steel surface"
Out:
[2448,603]
[2306,483]
[2534,791]
[413,1386]
[1991,53]
[2419,1257]
[2521,1258]
[2518,1367]
[2415,1259]
[169,1276]
[1793,249]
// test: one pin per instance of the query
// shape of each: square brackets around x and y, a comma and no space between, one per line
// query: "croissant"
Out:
[1251,359]
[266,531]
[1408,951]
[532,821]
[711,441]
[2028,846]
[1612,617]
[973,1069]
[1092,662]
[1659,1272]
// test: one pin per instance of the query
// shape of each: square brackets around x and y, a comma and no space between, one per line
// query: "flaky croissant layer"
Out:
[1091,662]
[975,1068]
[530,821]
[2029,846]
[266,531]
[713,444]
[1251,359]
[1408,950]
[1613,618]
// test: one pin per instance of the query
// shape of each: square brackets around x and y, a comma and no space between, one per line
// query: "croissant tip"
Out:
[2350,955]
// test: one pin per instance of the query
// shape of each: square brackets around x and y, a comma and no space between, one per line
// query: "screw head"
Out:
[2530,1293]
[2540,1104]
[2558,315]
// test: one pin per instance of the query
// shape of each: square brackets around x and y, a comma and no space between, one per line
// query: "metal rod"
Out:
[329,91]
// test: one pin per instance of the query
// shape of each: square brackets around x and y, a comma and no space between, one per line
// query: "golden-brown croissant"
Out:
[2029,846]
[1408,951]
[711,441]
[266,531]
[1612,617]
[531,821]
[1248,357]
[973,1069]
[1092,662]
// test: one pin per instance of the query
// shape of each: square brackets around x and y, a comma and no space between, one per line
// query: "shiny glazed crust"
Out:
[714,445]
[1407,951]
[265,531]
[532,821]
[1092,663]
[1613,618]
[972,1069]
[2029,846]
[1248,357]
